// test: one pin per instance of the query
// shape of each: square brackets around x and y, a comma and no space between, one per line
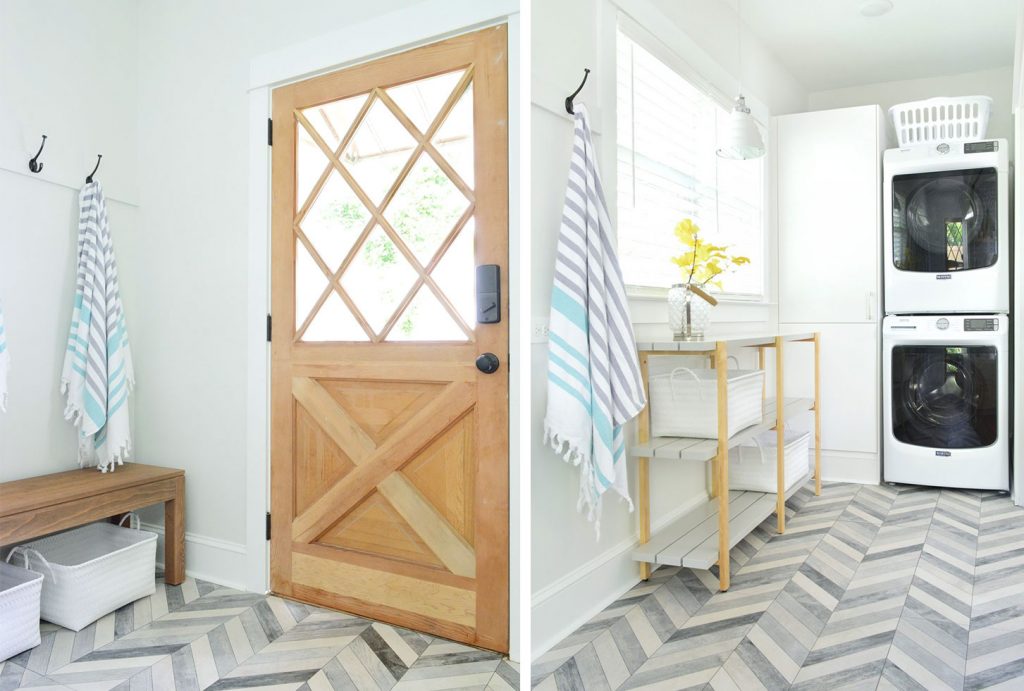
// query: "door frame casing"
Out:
[391,33]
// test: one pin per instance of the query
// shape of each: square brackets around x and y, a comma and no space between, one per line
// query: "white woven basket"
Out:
[19,609]
[684,402]
[753,467]
[941,119]
[90,571]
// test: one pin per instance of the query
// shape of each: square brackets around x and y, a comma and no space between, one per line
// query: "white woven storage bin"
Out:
[684,402]
[753,466]
[90,571]
[941,119]
[19,609]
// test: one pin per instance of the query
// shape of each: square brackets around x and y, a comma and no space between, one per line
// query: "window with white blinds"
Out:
[668,170]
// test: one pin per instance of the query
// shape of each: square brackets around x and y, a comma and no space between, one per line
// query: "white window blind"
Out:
[668,170]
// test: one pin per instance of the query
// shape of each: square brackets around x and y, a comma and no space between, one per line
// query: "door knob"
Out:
[488,363]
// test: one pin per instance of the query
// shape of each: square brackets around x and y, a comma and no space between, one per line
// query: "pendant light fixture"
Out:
[742,138]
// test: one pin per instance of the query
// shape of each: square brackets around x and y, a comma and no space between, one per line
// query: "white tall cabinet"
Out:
[828,177]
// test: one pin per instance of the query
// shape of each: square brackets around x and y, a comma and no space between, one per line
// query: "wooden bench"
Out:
[41,505]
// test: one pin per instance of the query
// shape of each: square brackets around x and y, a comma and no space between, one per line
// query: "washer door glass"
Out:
[944,397]
[945,221]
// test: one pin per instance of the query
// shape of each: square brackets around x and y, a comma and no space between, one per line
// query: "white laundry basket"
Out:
[754,466]
[941,119]
[19,609]
[90,571]
[684,402]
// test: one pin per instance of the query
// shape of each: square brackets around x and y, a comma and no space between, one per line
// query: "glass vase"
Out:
[688,313]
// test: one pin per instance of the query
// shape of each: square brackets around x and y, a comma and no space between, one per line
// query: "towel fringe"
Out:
[573,448]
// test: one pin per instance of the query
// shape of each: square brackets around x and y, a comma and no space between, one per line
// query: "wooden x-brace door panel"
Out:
[389,447]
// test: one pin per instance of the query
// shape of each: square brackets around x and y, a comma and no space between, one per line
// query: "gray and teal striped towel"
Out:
[594,384]
[5,363]
[98,376]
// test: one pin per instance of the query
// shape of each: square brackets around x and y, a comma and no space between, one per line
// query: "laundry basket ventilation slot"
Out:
[941,119]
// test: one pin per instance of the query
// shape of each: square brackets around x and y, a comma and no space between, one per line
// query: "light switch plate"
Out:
[539,332]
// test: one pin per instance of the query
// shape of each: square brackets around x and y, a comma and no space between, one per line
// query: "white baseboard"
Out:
[563,606]
[208,558]
[850,466]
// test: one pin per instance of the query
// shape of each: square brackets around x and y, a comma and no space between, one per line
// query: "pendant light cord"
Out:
[739,47]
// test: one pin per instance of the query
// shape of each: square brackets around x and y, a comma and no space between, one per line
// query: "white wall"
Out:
[1017,91]
[574,576]
[63,74]
[996,83]
[194,60]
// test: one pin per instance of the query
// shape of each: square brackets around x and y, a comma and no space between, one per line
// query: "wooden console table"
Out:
[38,506]
[703,537]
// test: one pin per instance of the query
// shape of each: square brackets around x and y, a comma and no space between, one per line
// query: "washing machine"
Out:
[945,400]
[947,228]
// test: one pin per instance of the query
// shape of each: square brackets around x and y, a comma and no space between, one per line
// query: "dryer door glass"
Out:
[944,397]
[945,221]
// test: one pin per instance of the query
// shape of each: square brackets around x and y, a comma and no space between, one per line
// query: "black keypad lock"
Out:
[488,294]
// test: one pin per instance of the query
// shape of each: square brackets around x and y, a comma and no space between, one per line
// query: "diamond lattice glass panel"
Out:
[378,278]
[426,207]
[334,322]
[333,120]
[310,164]
[421,100]
[426,319]
[454,140]
[378,150]
[309,283]
[334,221]
[455,274]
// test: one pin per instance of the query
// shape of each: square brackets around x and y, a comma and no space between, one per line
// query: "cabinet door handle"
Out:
[869,303]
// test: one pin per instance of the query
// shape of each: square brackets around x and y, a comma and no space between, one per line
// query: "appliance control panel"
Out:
[945,326]
[981,324]
[980,147]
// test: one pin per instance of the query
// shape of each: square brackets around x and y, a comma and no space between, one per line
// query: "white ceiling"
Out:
[828,44]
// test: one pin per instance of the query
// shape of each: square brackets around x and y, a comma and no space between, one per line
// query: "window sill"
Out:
[661,294]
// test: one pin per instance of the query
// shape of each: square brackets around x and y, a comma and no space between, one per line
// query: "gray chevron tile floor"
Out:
[201,636]
[871,587]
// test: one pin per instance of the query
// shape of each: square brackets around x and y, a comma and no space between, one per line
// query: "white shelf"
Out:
[692,540]
[703,450]
[707,345]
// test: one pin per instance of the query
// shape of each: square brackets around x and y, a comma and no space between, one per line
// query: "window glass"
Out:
[668,171]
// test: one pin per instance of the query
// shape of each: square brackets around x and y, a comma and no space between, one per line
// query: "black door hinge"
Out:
[270,328]
[268,525]
[270,132]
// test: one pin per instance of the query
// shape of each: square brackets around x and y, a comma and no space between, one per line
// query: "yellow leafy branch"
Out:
[703,262]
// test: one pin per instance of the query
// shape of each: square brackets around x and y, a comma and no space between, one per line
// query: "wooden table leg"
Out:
[645,511]
[722,463]
[764,380]
[174,535]
[817,413]
[780,437]
[643,427]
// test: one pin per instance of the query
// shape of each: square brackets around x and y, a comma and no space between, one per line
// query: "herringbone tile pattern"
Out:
[201,636]
[869,588]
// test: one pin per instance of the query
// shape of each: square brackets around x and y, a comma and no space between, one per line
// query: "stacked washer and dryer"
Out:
[945,334]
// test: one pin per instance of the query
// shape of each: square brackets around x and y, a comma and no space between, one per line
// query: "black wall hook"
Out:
[34,164]
[569,98]
[99,158]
